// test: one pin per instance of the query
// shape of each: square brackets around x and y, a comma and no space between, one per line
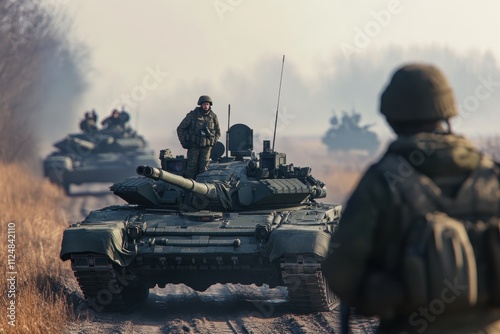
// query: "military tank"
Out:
[249,219]
[347,135]
[100,156]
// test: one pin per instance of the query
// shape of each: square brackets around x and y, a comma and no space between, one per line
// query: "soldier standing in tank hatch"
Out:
[198,132]
[417,103]
[89,123]
[115,123]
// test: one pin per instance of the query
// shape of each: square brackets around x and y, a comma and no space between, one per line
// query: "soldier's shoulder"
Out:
[376,174]
[191,113]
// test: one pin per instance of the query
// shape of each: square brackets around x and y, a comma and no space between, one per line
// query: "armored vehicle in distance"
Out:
[97,156]
[247,219]
[347,134]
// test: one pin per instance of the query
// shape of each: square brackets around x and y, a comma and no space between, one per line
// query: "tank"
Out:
[249,219]
[347,134]
[98,156]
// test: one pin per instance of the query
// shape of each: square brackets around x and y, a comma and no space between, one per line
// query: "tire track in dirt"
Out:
[310,323]
[176,326]
[328,320]
[221,309]
[208,325]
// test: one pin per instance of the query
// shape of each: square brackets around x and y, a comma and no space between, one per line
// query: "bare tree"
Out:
[28,34]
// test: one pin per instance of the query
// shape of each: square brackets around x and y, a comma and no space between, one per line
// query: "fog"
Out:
[305,107]
[156,58]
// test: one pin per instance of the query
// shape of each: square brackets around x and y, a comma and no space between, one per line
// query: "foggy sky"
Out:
[157,57]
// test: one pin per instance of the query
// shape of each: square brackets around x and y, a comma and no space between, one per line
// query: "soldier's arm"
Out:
[216,127]
[183,126]
[352,245]
[105,121]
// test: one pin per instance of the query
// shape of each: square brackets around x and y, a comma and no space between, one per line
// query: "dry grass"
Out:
[34,206]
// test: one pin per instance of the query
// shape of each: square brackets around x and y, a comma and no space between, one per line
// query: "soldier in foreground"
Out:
[418,244]
[198,132]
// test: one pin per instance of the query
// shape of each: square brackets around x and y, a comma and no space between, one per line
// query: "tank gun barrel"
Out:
[318,192]
[206,189]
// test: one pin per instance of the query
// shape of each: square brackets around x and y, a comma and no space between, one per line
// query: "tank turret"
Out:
[231,184]
[249,219]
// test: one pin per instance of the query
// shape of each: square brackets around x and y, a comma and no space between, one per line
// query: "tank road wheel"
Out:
[308,291]
[107,287]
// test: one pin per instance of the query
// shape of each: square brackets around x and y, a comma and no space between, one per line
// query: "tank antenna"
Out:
[278,105]
[137,118]
[227,132]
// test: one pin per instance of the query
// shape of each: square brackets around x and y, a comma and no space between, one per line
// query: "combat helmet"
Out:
[204,98]
[418,92]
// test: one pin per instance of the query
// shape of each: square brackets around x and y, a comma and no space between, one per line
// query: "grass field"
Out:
[32,222]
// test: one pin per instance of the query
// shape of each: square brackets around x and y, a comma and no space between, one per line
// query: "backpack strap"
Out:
[396,172]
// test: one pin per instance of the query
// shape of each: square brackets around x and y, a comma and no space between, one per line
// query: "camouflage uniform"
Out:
[88,124]
[198,132]
[370,221]
[115,124]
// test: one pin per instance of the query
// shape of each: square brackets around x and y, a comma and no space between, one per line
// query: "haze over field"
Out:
[156,57]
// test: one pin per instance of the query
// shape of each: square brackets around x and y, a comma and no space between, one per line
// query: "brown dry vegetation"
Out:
[28,37]
[34,206]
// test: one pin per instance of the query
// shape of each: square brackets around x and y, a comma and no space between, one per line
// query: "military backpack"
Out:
[448,250]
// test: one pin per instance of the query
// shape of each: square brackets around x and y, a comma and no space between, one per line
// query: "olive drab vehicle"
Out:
[102,155]
[347,134]
[249,219]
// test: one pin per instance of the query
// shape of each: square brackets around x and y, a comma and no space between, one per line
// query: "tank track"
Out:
[308,291]
[105,288]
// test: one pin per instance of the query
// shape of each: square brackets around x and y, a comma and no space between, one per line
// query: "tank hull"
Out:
[158,247]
